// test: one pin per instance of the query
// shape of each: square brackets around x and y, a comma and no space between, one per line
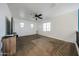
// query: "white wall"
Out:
[4,11]
[64,19]
[63,27]
[27,30]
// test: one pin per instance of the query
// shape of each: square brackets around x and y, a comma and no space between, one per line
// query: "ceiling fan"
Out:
[38,16]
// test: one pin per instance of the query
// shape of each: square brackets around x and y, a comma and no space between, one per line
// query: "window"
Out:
[32,25]
[44,27]
[47,26]
[21,25]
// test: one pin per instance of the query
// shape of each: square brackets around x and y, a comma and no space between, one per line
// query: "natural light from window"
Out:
[32,25]
[47,26]
[21,25]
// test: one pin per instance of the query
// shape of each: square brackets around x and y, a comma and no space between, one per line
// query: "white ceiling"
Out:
[27,10]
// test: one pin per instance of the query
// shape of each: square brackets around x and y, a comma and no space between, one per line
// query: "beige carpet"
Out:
[36,45]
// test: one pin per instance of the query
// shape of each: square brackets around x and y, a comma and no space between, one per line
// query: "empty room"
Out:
[39,29]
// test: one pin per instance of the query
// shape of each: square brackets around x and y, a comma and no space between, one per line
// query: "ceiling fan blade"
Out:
[40,17]
[36,15]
